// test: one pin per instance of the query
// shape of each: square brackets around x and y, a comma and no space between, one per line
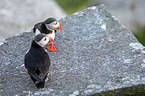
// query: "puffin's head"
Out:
[52,24]
[42,39]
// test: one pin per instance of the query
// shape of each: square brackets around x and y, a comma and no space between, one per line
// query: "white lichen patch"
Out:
[74,93]
[143,51]
[88,91]
[127,60]
[20,66]
[28,92]
[126,83]
[103,26]
[94,86]
[79,14]
[126,78]
[2,41]
[137,46]
[76,13]
[93,7]
[42,92]
[143,60]
[115,18]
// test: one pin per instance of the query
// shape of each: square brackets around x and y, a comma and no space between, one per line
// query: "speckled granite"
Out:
[95,53]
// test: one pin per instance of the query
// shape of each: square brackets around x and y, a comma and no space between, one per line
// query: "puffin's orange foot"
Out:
[26,69]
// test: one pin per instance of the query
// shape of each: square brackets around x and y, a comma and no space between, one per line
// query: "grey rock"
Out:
[95,53]
[17,16]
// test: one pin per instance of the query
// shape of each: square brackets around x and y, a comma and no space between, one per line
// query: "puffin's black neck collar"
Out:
[35,45]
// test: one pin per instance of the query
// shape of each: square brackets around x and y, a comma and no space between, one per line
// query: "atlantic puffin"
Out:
[49,27]
[37,61]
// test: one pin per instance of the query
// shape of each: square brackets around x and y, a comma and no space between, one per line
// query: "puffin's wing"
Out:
[36,26]
[35,76]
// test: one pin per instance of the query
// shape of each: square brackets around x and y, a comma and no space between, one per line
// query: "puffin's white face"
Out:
[44,41]
[54,26]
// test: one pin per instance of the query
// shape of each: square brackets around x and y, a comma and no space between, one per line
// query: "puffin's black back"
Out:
[37,26]
[38,57]
[49,20]
[37,61]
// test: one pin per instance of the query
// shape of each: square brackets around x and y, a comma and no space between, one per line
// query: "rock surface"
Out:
[95,53]
[17,16]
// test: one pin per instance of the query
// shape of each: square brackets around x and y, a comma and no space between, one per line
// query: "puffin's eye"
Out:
[45,39]
[56,23]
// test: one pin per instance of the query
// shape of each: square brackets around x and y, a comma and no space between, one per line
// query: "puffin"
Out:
[49,27]
[37,60]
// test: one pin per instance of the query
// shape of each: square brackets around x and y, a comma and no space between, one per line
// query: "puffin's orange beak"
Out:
[59,28]
[51,39]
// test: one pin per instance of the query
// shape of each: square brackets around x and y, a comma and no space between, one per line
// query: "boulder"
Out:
[95,54]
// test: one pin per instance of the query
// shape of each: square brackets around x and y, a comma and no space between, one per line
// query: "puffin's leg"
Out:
[46,79]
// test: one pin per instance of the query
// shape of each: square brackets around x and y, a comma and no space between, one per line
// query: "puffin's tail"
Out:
[41,84]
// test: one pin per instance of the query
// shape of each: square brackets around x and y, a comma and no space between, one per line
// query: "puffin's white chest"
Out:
[52,35]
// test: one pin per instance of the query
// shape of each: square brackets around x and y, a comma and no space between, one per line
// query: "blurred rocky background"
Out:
[17,16]
[131,13]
